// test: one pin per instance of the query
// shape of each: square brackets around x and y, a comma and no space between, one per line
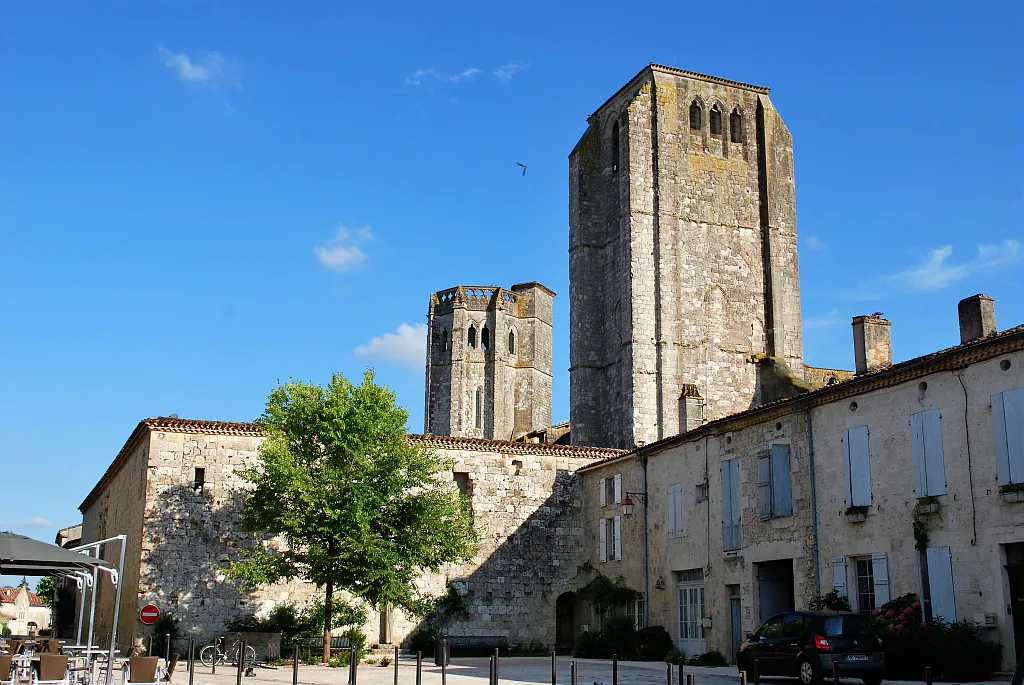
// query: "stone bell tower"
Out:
[489,361]
[682,256]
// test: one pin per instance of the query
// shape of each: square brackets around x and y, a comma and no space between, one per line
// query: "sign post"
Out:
[149,614]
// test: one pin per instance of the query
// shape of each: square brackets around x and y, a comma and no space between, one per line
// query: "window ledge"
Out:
[857,514]
[1012,496]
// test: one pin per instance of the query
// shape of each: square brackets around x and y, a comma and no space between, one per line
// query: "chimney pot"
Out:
[977,317]
[872,343]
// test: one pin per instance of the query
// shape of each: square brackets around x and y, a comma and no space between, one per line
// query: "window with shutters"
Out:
[870,577]
[858,466]
[865,585]
[675,510]
[773,483]
[732,533]
[611,539]
[611,490]
[1008,435]
[926,445]
[635,612]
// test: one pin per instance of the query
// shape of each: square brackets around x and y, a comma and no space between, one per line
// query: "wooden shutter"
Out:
[1008,428]
[764,486]
[734,501]
[727,531]
[880,573]
[917,449]
[602,551]
[618,537]
[679,507]
[934,463]
[940,583]
[618,488]
[601,484]
[782,497]
[858,466]
[839,575]
[671,504]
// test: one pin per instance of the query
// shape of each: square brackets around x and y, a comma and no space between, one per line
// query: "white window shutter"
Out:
[737,514]
[671,508]
[602,552]
[618,488]
[839,575]
[880,572]
[679,508]
[618,537]
[917,449]
[940,583]
[1013,413]
[847,467]
[860,466]
[601,485]
[935,469]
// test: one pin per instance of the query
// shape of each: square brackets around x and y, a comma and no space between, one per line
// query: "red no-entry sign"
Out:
[149,614]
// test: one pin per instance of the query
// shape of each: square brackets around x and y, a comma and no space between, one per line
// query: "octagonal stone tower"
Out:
[489,361]
[682,256]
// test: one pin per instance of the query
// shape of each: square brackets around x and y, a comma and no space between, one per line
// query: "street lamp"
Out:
[627,502]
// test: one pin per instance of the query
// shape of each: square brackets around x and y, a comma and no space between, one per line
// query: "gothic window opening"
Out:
[511,342]
[695,116]
[615,148]
[736,127]
[444,340]
[471,338]
[485,339]
[479,419]
[716,121]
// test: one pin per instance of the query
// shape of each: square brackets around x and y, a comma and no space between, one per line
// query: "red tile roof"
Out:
[9,594]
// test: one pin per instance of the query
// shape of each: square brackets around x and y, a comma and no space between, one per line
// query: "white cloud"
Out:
[342,252]
[813,242]
[406,346]
[506,71]
[210,69]
[417,77]
[830,319]
[36,522]
[936,271]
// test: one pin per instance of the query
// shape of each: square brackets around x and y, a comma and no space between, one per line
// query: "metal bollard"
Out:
[496,673]
[295,665]
[419,668]
[213,661]
[928,675]
[554,672]
[396,664]
[444,661]
[572,673]
[490,670]
[691,679]
[743,677]
[353,664]
[167,651]
[835,672]
[668,673]
[241,663]
[682,681]
[149,646]
[191,661]
[615,669]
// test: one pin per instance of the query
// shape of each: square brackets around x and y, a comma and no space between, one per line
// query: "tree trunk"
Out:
[327,621]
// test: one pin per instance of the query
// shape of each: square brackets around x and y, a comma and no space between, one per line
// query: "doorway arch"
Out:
[565,622]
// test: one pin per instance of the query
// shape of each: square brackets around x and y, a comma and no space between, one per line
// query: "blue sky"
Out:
[198,199]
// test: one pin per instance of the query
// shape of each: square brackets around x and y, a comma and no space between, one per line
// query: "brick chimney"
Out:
[872,342]
[977,317]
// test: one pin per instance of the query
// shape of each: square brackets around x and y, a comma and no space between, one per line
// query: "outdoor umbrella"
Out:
[20,555]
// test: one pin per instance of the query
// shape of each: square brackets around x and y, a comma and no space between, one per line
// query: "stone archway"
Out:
[565,622]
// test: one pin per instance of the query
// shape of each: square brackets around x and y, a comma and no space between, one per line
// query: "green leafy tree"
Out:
[46,590]
[359,507]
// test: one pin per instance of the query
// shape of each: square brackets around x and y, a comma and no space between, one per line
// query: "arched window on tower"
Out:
[716,121]
[478,421]
[615,148]
[695,116]
[511,342]
[471,338]
[735,126]
[485,339]
[444,340]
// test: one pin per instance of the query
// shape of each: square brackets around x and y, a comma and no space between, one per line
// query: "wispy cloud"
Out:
[208,69]
[36,522]
[826,321]
[506,71]
[813,242]
[937,270]
[406,346]
[417,77]
[342,252]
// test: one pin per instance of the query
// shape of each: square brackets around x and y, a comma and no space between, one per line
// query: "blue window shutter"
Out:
[1013,411]
[917,448]
[880,573]
[782,499]
[846,467]
[671,508]
[860,466]
[734,482]
[764,486]
[934,463]
[727,542]
[679,507]
[999,439]
[839,575]
[940,583]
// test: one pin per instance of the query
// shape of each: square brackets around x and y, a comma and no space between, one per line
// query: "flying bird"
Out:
[524,168]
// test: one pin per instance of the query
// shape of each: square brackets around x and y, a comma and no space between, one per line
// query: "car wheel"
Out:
[872,680]
[808,673]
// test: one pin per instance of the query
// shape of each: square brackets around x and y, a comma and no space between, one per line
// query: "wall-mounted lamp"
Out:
[627,502]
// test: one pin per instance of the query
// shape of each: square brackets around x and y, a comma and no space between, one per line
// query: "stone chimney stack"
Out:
[872,342]
[977,317]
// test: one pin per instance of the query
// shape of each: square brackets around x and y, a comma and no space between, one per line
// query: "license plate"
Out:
[858,657]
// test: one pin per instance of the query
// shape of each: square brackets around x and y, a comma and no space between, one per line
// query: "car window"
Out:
[772,628]
[853,624]
[795,626]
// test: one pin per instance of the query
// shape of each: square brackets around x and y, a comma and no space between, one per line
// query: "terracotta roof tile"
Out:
[9,594]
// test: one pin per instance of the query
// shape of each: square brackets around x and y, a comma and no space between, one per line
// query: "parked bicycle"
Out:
[211,651]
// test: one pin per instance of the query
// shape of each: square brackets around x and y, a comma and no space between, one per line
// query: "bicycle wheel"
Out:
[206,656]
[250,656]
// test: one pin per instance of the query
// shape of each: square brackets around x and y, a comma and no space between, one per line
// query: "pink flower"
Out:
[916,605]
[899,627]
[892,629]
[876,612]
[890,613]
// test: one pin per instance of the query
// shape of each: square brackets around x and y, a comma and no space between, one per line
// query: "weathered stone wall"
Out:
[682,259]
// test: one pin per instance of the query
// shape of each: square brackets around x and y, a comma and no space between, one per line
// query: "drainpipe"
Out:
[647,594]
[814,503]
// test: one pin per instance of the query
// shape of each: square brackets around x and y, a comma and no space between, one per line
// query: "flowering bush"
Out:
[954,651]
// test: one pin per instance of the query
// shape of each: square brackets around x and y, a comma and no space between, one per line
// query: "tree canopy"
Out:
[358,506]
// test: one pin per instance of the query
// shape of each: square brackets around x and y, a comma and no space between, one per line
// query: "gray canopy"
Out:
[20,555]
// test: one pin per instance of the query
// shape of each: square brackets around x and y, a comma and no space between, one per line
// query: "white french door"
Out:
[691,615]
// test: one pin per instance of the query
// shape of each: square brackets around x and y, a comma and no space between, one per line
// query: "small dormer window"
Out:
[716,121]
[735,126]
[695,116]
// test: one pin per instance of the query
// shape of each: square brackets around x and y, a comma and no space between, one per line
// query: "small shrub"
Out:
[166,624]
[620,634]
[712,658]
[421,640]
[529,649]
[591,645]
[384,662]
[831,601]
[674,656]
[653,643]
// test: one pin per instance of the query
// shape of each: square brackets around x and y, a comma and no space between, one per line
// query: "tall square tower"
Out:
[682,256]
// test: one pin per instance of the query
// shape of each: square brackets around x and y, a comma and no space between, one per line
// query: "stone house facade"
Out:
[23,611]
